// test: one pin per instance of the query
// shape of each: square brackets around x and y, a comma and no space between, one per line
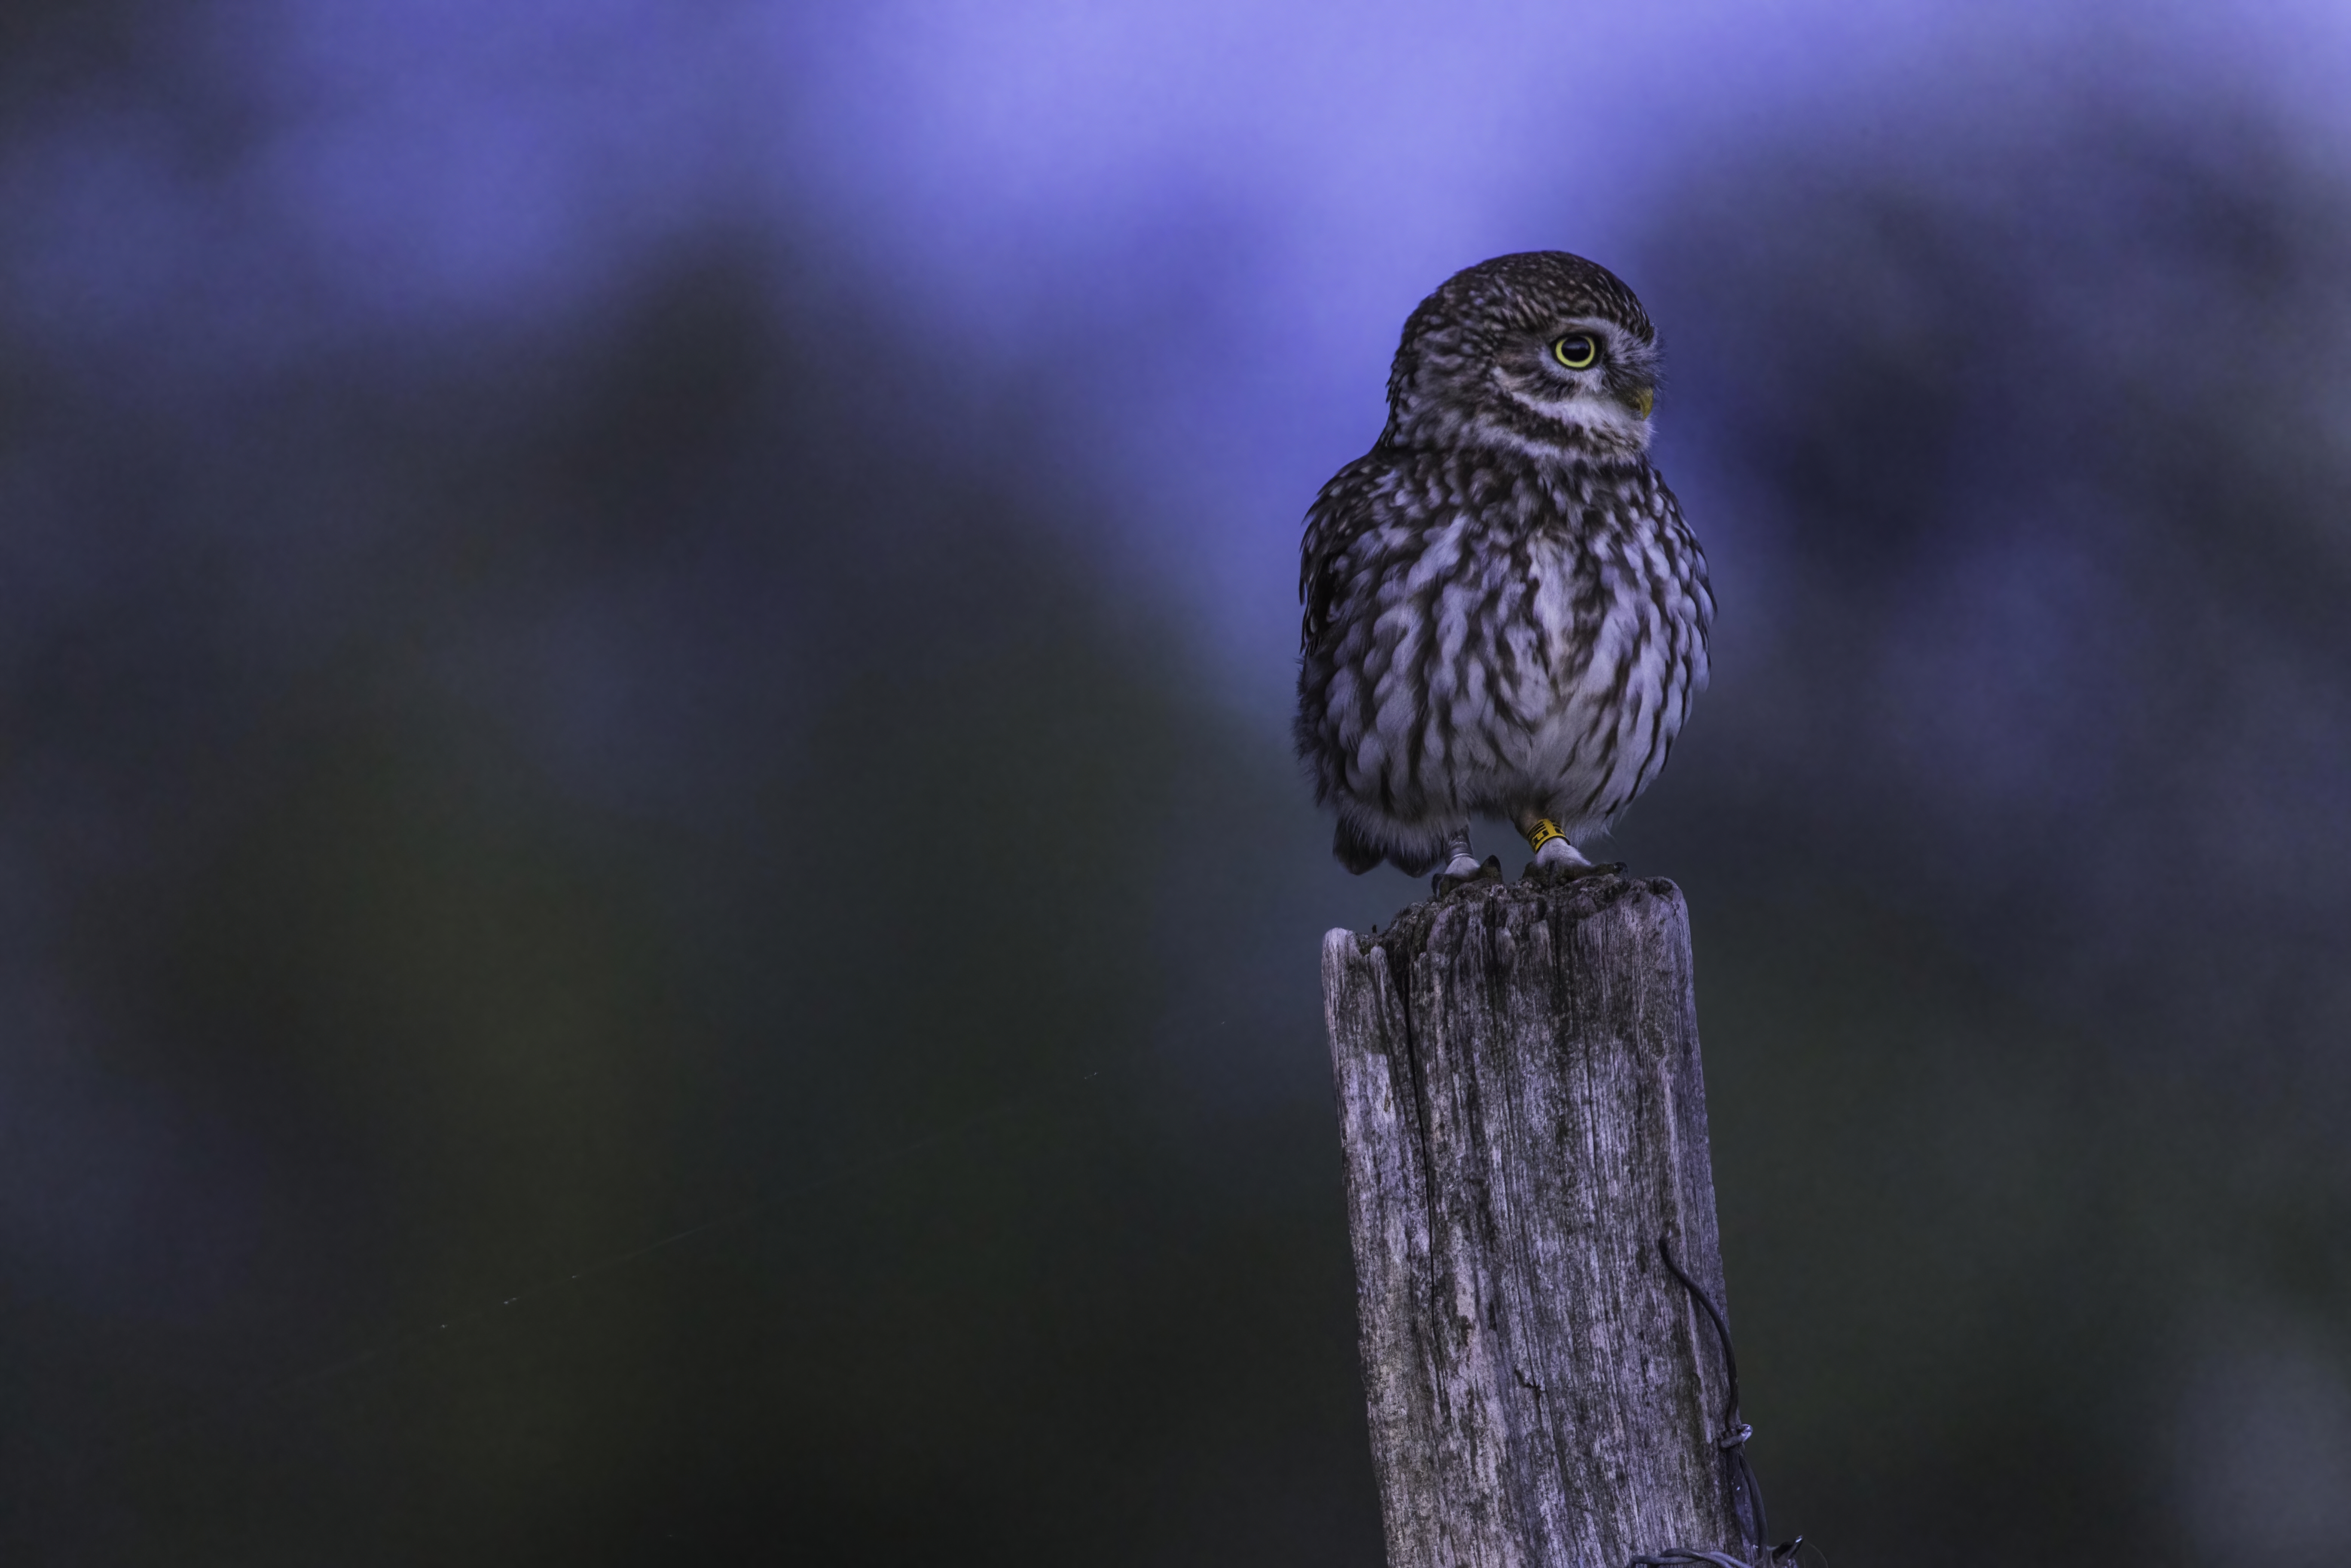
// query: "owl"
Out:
[1504,613]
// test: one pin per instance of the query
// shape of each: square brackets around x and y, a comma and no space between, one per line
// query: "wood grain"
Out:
[1524,1116]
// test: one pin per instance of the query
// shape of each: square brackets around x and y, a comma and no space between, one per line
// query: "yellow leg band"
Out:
[1542,833]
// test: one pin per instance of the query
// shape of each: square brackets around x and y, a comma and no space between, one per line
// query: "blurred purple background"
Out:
[619,616]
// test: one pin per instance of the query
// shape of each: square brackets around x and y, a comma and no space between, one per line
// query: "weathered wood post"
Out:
[1524,1118]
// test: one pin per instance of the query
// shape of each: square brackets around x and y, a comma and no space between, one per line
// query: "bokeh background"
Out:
[652,908]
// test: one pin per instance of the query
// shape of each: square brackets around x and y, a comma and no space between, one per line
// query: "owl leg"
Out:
[1460,865]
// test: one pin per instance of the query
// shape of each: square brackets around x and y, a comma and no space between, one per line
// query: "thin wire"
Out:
[1739,1472]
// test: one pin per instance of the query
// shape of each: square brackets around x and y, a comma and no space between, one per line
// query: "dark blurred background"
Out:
[652,908]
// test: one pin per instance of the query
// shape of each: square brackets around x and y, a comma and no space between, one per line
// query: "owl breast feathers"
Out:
[1505,614]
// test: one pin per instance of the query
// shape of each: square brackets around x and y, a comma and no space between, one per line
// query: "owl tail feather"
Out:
[1359,855]
[1354,852]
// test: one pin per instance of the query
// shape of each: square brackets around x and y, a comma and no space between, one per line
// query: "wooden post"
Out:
[1524,1118]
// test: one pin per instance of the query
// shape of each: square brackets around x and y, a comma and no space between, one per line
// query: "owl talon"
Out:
[1559,861]
[1461,870]
[1569,871]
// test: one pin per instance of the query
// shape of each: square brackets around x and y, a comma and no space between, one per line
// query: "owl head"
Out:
[1540,352]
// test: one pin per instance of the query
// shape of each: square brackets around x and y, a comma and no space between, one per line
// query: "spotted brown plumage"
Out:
[1504,613]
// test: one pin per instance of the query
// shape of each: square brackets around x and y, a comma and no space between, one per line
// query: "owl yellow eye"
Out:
[1577,351]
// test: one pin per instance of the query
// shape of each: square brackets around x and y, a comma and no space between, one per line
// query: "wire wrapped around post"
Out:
[1744,1490]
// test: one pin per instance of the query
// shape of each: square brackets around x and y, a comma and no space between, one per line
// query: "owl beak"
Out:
[1641,400]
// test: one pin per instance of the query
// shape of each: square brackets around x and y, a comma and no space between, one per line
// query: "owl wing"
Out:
[1686,563]
[1348,508]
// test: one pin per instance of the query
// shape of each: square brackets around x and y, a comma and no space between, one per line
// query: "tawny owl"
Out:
[1505,614]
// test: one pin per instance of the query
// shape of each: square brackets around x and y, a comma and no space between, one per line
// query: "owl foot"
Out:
[1537,871]
[1461,867]
[1559,861]
[1461,870]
